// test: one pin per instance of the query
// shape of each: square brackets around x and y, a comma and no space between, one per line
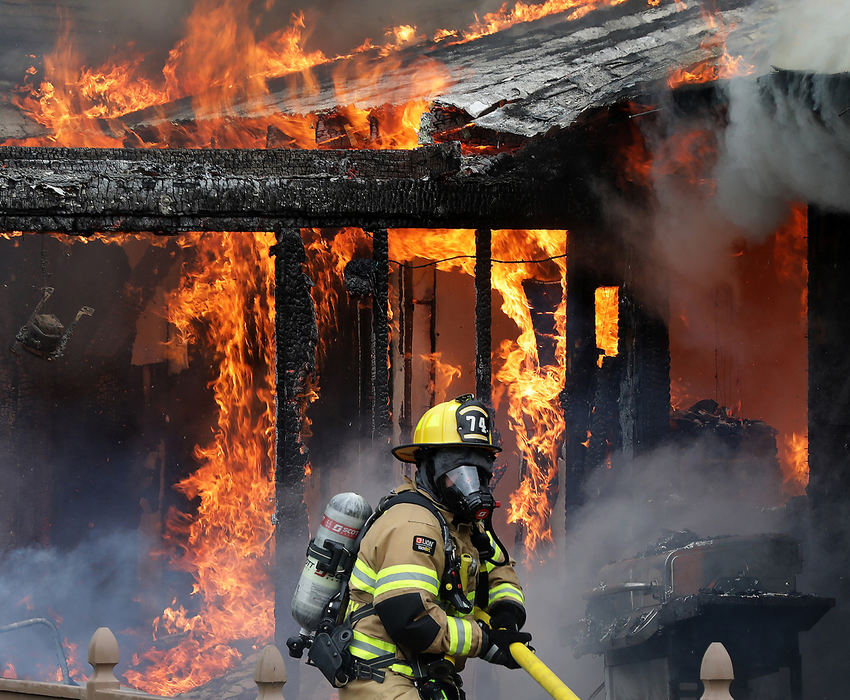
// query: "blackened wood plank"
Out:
[170,191]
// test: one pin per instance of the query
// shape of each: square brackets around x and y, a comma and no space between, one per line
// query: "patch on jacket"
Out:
[424,544]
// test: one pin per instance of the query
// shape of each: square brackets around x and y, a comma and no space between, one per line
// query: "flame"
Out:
[790,254]
[8,671]
[225,298]
[607,301]
[505,16]
[444,374]
[795,462]
[718,64]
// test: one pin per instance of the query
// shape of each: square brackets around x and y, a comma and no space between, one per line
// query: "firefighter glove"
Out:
[505,615]
[495,644]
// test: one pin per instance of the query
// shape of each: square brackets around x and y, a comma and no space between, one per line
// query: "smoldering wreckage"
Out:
[620,226]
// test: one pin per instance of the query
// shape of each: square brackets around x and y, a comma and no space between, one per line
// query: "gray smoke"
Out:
[790,143]
[81,589]
[670,489]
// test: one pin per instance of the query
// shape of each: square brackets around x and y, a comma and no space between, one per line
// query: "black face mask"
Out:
[458,477]
[465,491]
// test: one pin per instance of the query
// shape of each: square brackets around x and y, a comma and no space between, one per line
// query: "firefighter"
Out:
[412,589]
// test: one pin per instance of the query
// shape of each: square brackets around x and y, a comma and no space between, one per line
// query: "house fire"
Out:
[269,263]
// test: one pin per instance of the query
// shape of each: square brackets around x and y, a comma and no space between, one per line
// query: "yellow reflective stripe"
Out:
[393,578]
[402,668]
[506,590]
[362,578]
[364,646]
[460,636]
[489,566]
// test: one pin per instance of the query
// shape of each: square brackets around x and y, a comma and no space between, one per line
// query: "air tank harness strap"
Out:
[451,588]
[332,557]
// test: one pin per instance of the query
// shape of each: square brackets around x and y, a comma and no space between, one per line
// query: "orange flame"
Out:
[607,300]
[790,254]
[718,64]
[444,374]
[505,16]
[795,463]
[225,298]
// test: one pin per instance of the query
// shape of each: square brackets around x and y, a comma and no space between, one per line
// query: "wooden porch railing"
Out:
[270,676]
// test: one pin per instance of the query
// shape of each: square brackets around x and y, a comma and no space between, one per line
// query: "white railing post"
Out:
[103,657]
[270,674]
[716,673]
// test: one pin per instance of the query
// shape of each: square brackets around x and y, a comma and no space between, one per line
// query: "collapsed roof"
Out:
[531,77]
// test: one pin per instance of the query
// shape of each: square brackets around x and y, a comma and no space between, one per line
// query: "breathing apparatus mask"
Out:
[459,478]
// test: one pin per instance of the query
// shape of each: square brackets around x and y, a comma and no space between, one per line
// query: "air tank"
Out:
[344,517]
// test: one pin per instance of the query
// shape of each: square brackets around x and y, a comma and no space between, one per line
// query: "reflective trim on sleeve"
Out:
[362,578]
[460,635]
[393,578]
[506,590]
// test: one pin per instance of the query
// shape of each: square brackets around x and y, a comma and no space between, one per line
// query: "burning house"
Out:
[621,224]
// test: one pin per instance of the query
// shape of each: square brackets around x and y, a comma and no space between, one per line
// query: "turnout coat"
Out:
[396,581]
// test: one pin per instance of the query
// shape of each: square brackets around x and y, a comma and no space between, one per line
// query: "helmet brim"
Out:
[407,453]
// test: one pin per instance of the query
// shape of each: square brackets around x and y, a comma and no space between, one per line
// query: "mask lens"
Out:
[464,479]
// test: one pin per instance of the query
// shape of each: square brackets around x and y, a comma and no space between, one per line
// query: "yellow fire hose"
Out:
[535,667]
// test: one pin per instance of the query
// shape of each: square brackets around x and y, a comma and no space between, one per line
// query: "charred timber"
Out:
[381,423]
[296,336]
[82,191]
[483,315]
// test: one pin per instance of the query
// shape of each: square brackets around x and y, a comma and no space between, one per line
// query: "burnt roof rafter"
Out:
[83,191]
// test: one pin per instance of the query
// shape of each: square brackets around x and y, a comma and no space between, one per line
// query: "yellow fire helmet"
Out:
[461,421]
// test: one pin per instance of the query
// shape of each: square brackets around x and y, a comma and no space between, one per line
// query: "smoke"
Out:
[788,140]
[811,35]
[81,589]
[628,509]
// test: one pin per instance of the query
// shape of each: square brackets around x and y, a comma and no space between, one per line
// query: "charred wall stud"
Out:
[644,400]
[483,314]
[380,337]
[829,400]
[296,336]
[579,384]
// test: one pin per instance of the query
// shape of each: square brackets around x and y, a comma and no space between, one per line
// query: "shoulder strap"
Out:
[450,589]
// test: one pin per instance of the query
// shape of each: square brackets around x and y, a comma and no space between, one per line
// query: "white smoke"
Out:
[811,35]
[788,140]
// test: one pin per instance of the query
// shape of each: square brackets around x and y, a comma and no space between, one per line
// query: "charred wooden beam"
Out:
[296,336]
[407,309]
[829,361]
[579,385]
[380,337]
[170,191]
[483,314]
[644,401]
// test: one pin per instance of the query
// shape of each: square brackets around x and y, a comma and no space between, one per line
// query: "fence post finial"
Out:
[716,673]
[103,656]
[270,674]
